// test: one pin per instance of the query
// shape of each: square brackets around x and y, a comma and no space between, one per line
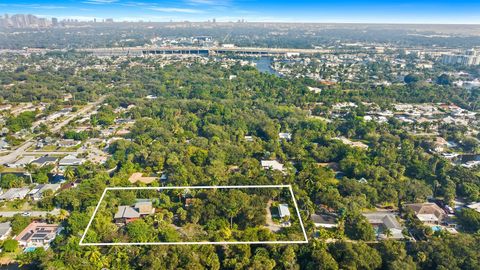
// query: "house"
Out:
[362,180]
[283,210]
[3,145]
[38,234]
[14,193]
[44,161]
[324,221]
[67,143]
[272,164]
[383,221]
[5,229]
[144,207]
[37,192]
[21,162]
[285,136]
[126,214]
[429,213]
[70,160]
[248,138]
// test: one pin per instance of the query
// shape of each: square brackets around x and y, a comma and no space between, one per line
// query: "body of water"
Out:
[264,65]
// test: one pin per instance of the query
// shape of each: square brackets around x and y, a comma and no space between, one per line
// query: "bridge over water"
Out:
[139,51]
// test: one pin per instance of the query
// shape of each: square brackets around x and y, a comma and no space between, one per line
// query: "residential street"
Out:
[55,212]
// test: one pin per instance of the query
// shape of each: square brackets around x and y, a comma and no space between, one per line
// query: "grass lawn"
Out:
[17,205]
[12,170]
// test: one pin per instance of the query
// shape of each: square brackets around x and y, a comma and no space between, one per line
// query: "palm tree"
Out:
[388,233]
[94,256]
[63,214]
[69,173]
[29,168]
[309,182]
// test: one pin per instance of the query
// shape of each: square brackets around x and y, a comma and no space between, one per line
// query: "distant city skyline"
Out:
[342,11]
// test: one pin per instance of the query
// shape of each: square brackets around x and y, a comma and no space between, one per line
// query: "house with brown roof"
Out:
[428,212]
[126,213]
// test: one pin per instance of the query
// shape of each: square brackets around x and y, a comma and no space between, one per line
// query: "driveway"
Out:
[270,224]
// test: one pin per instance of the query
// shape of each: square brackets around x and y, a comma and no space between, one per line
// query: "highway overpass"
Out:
[140,51]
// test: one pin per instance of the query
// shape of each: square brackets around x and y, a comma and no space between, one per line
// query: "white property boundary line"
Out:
[195,243]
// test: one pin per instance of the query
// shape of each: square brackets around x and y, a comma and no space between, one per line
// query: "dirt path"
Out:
[269,221]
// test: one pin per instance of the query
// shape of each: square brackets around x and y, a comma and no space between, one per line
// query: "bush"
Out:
[10,245]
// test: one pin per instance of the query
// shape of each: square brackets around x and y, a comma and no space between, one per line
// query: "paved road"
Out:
[32,153]
[82,111]
[55,212]
[16,153]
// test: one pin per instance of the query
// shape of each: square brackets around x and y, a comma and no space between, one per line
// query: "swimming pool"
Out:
[436,228]
[29,249]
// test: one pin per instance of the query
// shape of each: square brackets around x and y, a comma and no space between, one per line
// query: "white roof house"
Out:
[272,164]
[22,162]
[248,138]
[14,193]
[429,218]
[71,160]
[37,192]
[5,229]
[285,135]
[38,234]
[283,210]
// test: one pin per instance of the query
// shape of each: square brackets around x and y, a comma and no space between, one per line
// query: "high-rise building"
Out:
[470,58]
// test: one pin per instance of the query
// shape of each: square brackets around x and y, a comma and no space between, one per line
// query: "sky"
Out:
[340,11]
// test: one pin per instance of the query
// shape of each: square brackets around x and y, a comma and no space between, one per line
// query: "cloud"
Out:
[99,2]
[175,10]
[36,6]
[209,2]
[134,4]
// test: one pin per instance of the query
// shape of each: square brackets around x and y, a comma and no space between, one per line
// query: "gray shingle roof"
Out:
[125,211]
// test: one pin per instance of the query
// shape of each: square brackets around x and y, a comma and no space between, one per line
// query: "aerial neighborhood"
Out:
[235,144]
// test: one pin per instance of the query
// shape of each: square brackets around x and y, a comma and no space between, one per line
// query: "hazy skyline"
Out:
[344,11]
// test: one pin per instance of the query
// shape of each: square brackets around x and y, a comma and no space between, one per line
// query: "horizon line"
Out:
[90,19]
